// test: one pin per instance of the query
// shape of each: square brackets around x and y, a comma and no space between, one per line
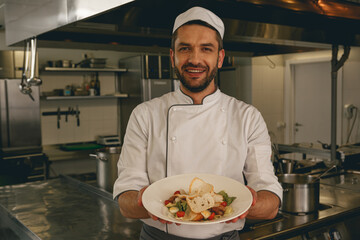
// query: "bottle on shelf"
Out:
[86,84]
[92,87]
[67,91]
[97,84]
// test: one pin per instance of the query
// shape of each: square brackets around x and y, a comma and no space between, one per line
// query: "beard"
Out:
[187,83]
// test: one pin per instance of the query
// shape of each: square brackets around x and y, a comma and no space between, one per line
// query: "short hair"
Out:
[199,22]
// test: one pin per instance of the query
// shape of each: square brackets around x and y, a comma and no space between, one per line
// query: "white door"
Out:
[312,102]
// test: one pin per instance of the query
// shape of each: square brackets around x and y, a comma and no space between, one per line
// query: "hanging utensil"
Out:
[33,81]
[28,76]
[24,86]
[77,112]
[323,174]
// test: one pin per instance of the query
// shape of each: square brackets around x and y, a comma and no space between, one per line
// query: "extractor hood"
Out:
[253,27]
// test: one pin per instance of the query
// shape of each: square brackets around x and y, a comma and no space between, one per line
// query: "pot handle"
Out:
[97,157]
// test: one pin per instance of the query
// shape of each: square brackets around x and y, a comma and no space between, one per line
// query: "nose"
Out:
[195,57]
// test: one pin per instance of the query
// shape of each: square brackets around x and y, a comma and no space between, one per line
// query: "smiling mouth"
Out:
[195,70]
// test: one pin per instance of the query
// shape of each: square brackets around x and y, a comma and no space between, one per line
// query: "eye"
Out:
[183,49]
[207,49]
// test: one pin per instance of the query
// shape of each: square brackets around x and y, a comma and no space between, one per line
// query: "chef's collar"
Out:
[207,99]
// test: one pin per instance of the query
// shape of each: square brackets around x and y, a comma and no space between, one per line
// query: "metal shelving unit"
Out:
[63,69]
[120,95]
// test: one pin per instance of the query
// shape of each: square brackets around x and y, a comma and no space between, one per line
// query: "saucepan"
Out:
[300,193]
[106,166]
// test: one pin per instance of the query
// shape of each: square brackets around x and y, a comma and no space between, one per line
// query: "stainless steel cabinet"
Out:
[20,119]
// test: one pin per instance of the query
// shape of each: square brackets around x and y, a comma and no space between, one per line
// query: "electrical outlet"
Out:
[349,110]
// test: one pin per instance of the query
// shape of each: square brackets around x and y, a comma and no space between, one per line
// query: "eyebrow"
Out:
[203,44]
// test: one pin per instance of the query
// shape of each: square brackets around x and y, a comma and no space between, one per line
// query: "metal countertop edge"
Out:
[15,225]
[309,226]
[88,188]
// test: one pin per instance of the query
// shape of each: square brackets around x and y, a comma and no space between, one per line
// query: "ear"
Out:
[172,58]
[221,58]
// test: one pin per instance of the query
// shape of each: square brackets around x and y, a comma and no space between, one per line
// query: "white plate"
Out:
[155,195]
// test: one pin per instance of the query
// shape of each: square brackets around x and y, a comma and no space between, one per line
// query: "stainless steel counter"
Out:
[340,206]
[65,208]
[62,208]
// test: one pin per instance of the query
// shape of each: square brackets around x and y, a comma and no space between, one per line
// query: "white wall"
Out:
[351,92]
[268,92]
[268,89]
[350,85]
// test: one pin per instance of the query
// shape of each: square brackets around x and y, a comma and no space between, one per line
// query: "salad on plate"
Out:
[200,203]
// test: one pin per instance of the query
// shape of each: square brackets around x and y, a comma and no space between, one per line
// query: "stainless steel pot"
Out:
[301,194]
[106,166]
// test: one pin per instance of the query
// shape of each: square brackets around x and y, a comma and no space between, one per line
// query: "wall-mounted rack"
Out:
[63,69]
[71,111]
[120,95]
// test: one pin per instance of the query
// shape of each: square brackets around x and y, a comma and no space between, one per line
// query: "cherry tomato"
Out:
[212,215]
[177,192]
[180,214]
[167,202]
[224,203]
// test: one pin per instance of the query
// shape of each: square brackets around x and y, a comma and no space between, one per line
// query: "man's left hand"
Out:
[242,216]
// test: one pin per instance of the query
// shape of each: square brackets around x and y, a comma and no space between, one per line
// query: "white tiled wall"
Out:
[97,117]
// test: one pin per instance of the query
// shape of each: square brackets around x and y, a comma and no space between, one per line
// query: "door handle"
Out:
[298,124]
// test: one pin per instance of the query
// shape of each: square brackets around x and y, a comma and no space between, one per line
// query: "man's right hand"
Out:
[140,204]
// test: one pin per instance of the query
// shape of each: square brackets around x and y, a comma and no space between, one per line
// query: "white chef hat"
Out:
[199,13]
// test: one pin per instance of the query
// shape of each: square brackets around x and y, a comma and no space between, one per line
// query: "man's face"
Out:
[196,57]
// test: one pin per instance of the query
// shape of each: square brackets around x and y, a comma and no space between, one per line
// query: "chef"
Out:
[196,128]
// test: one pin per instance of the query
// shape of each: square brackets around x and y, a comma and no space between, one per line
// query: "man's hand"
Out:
[140,204]
[242,216]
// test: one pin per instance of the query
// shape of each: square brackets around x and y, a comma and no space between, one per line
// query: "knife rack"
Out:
[71,111]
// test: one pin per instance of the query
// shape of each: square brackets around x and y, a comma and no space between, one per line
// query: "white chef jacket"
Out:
[170,135]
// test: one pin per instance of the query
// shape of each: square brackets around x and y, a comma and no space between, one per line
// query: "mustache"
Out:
[193,66]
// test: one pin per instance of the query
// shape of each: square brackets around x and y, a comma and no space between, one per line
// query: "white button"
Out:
[222,109]
[174,109]
[173,139]
[224,142]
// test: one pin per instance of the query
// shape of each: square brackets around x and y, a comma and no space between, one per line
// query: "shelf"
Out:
[63,69]
[119,95]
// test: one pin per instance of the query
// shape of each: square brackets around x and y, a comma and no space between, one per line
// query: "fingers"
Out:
[254,195]
[242,216]
[234,220]
[164,221]
[155,218]
[139,199]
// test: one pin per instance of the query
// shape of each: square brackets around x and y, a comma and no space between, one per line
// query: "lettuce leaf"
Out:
[227,199]
[181,205]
